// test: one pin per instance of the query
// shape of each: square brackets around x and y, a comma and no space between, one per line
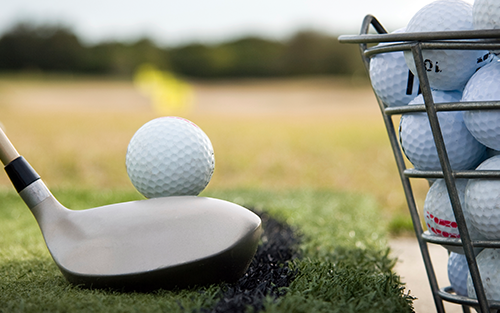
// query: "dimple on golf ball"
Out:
[170,156]
[446,69]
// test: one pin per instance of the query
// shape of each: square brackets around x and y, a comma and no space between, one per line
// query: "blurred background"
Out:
[198,39]
[285,105]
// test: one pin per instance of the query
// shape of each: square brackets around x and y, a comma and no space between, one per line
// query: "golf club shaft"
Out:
[7,151]
[19,170]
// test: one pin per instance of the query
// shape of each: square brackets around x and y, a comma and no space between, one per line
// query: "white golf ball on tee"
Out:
[170,156]
[446,69]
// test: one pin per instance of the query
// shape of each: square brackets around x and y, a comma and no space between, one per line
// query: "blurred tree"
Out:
[99,58]
[123,59]
[51,48]
[306,53]
[194,60]
[255,57]
[146,51]
[312,53]
[56,48]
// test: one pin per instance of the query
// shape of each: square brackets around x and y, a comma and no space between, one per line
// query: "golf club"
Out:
[155,243]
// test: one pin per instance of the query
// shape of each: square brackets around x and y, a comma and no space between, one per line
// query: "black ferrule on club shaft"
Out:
[21,173]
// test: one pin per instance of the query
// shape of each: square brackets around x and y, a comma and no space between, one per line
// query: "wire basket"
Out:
[416,42]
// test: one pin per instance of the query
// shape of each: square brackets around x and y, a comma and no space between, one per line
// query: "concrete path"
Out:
[412,271]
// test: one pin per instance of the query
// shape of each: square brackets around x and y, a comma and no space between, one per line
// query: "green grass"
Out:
[342,287]
[401,225]
[344,265]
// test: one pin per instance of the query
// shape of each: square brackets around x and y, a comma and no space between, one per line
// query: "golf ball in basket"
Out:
[446,69]
[439,216]
[458,271]
[391,78]
[484,85]
[488,263]
[170,156]
[464,151]
[486,15]
[482,201]
[438,212]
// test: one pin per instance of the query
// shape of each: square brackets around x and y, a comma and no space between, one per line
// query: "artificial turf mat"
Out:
[334,260]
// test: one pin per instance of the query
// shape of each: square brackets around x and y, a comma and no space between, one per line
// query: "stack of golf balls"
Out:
[446,69]
[471,137]
[448,72]
[170,156]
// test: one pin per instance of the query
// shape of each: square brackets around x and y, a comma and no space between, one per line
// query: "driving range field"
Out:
[313,153]
[295,133]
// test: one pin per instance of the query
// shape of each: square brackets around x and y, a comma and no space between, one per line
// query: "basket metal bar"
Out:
[448,175]
[458,243]
[446,293]
[469,174]
[435,45]
[449,106]
[372,21]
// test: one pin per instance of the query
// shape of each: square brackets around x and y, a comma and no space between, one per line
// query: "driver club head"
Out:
[155,243]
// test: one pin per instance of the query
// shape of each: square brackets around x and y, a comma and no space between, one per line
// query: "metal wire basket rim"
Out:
[465,174]
[436,45]
[422,36]
[444,106]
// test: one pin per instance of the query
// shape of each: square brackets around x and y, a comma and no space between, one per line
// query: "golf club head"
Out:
[155,243]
